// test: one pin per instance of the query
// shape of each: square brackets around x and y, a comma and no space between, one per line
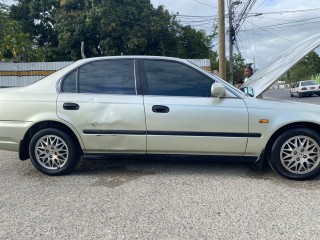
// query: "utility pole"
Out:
[231,36]
[222,45]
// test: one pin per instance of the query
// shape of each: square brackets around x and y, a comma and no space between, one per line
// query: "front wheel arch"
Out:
[289,127]
[296,154]
[286,128]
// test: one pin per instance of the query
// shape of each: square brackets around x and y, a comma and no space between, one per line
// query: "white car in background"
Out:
[305,88]
[146,106]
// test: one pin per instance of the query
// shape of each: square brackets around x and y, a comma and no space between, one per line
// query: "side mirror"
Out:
[218,90]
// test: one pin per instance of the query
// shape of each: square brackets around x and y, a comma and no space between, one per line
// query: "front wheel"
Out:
[53,152]
[296,154]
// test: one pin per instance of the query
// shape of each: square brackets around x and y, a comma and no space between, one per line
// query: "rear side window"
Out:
[70,82]
[306,83]
[170,78]
[104,77]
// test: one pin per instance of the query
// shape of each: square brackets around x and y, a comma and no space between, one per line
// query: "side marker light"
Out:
[263,121]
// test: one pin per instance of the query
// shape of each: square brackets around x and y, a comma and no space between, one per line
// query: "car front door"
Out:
[102,100]
[182,117]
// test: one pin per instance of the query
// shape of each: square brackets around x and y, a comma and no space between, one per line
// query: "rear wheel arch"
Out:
[24,144]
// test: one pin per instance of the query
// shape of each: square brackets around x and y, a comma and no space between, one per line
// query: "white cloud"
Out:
[260,37]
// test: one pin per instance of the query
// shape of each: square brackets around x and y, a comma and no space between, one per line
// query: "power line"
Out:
[252,13]
[204,3]
[292,11]
[286,25]
[243,14]
[265,1]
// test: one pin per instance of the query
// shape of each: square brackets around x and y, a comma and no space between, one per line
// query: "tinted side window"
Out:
[70,82]
[106,77]
[175,79]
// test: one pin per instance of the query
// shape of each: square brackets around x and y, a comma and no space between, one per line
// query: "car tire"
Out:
[53,152]
[296,154]
[291,95]
[299,95]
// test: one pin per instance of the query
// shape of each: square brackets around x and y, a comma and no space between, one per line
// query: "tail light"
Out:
[304,88]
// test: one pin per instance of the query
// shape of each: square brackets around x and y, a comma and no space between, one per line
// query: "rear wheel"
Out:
[296,154]
[53,152]
[299,95]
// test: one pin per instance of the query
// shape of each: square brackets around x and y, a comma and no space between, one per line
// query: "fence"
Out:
[22,74]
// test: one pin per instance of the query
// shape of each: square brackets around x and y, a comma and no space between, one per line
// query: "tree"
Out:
[238,67]
[309,66]
[162,31]
[193,43]
[114,28]
[37,19]
[125,27]
[15,44]
[4,12]
[110,27]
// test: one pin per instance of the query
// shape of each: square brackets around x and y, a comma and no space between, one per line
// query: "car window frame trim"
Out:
[136,76]
[144,81]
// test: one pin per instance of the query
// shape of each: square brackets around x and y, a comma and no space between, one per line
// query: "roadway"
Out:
[149,199]
[284,94]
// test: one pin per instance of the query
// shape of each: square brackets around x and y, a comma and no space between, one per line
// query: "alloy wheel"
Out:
[300,154]
[51,152]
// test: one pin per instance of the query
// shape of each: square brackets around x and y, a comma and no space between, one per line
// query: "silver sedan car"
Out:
[143,106]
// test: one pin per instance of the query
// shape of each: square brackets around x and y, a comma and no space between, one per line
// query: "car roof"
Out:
[132,57]
[308,81]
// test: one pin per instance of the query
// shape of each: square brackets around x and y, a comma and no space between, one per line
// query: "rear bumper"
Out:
[11,133]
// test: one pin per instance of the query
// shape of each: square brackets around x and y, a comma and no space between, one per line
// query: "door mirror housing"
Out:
[218,90]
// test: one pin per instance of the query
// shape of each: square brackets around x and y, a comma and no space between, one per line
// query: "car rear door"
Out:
[295,89]
[102,100]
[182,118]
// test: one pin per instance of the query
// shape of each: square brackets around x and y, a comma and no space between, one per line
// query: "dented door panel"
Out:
[106,123]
